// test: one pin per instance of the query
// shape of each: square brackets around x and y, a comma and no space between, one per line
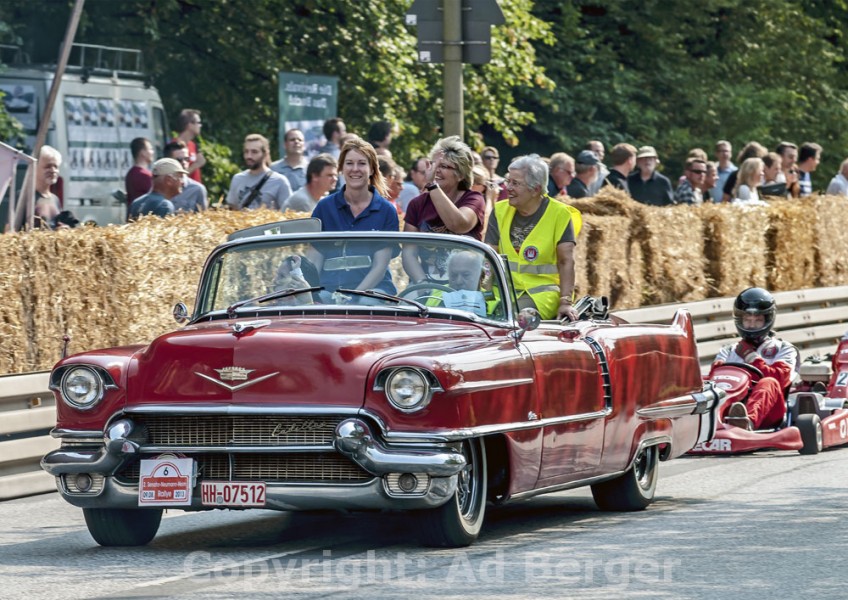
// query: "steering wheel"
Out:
[426,285]
[746,367]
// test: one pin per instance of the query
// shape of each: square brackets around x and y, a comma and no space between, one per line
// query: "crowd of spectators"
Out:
[297,182]
[353,183]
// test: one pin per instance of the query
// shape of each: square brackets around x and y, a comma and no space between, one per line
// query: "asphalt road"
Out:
[760,526]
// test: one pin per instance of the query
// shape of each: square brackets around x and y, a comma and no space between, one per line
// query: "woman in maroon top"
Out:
[448,205]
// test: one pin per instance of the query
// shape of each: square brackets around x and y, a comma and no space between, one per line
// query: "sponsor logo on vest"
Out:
[531,253]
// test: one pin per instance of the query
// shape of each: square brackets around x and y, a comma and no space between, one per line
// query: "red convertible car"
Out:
[312,375]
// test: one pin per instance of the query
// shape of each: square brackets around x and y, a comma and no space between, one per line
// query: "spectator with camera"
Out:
[48,213]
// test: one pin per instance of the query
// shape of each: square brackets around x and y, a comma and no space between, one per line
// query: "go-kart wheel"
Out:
[426,286]
[634,490]
[746,367]
[811,433]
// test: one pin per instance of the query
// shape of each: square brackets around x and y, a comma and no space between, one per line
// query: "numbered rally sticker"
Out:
[165,482]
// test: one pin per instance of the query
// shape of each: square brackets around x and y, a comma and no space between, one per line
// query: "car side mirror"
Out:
[180,313]
[528,320]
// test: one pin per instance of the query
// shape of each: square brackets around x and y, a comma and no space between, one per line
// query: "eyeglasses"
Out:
[697,172]
[445,167]
[514,183]
[490,157]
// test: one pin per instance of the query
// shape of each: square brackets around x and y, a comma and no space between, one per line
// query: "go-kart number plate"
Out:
[231,493]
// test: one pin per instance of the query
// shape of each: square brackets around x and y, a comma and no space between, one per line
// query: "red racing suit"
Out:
[778,361]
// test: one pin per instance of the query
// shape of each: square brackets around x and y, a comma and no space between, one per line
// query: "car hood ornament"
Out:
[235,374]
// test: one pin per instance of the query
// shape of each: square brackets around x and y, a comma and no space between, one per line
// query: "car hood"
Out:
[303,361]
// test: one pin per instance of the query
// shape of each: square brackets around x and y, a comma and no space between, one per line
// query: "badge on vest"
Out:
[531,253]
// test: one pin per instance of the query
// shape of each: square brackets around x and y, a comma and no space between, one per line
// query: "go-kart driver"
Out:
[754,313]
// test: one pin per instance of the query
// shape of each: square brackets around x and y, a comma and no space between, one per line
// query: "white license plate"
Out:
[232,493]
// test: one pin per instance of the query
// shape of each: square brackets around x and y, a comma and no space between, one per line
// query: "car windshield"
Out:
[422,274]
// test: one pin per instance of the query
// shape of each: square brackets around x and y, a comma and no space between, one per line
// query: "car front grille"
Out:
[302,467]
[239,430]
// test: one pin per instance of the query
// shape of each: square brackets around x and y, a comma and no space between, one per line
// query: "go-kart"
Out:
[816,411]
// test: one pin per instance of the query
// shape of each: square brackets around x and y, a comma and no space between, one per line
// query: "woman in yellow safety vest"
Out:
[537,234]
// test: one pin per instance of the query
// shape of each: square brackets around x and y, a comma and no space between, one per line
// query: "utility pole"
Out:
[28,189]
[454,32]
[452,35]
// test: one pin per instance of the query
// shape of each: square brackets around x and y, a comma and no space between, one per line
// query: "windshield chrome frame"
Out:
[400,238]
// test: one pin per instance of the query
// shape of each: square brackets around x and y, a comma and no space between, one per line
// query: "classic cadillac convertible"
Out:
[291,389]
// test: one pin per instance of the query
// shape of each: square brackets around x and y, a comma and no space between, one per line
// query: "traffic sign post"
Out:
[453,119]
[454,32]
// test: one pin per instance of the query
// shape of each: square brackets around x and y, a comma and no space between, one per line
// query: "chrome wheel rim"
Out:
[468,489]
[643,467]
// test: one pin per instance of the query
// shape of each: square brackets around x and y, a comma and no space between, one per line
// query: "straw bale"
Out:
[581,258]
[610,268]
[830,242]
[609,201]
[16,350]
[791,245]
[44,300]
[735,247]
[672,243]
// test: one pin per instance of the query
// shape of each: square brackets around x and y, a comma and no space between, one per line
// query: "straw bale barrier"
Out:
[735,247]
[116,285]
[15,321]
[830,241]
[791,239]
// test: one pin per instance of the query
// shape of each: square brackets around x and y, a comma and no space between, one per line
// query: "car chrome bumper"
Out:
[355,440]
[371,495]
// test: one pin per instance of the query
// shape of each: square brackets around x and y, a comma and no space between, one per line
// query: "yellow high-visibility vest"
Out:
[534,265]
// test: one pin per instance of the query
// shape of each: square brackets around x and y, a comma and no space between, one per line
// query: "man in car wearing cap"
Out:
[586,166]
[167,183]
[646,185]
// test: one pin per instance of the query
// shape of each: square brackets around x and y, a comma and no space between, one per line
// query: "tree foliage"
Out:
[677,75]
[223,57]
[666,73]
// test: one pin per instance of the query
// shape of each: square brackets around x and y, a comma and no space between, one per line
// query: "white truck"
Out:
[104,102]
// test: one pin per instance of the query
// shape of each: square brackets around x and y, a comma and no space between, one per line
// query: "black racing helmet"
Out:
[754,301]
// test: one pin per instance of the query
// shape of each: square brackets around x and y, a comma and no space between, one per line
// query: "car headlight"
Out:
[408,389]
[82,387]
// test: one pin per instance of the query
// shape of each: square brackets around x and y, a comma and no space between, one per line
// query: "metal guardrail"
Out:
[27,412]
[813,320]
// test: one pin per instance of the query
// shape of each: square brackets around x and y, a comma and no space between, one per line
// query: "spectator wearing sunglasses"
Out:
[689,190]
[490,158]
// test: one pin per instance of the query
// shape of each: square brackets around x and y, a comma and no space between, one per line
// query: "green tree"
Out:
[223,58]
[676,75]
[11,130]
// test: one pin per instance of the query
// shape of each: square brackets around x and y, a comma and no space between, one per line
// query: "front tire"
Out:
[634,490]
[458,522]
[122,526]
[811,433]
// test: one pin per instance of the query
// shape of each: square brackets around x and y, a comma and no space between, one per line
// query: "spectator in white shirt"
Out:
[839,184]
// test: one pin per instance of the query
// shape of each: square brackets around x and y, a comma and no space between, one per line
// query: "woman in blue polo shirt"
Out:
[359,206]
